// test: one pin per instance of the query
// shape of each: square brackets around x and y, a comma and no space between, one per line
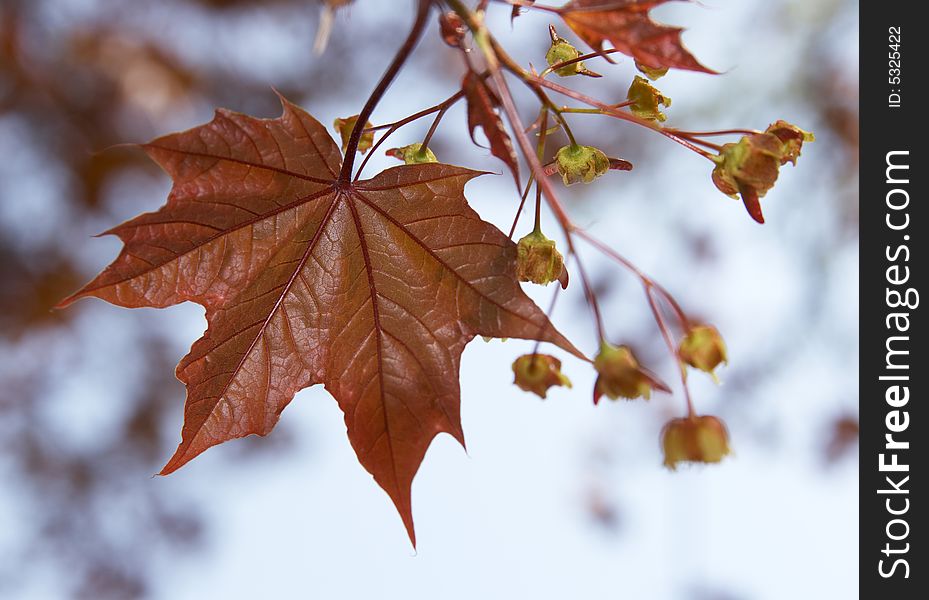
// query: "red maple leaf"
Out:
[627,25]
[370,288]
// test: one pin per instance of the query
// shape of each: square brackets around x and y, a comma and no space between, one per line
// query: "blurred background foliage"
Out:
[88,405]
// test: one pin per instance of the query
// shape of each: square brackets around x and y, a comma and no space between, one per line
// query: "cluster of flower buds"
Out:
[703,348]
[562,51]
[537,373]
[749,167]
[619,375]
[646,100]
[413,154]
[694,439]
[345,127]
[580,164]
[539,261]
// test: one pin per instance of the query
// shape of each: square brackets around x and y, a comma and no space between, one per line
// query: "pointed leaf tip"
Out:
[628,27]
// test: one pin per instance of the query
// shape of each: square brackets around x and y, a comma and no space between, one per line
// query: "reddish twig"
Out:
[416,32]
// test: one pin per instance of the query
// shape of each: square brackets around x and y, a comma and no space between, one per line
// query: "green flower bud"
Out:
[578,163]
[703,348]
[646,99]
[537,259]
[621,376]
[345,126]
[694,439]
[413,154]
[537,373]
[562,50]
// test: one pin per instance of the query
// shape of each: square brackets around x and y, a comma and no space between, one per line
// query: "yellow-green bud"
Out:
[562,50]
[646,100]
[413,154]
[583,164]
[345,126]
[537,373]
[621,376]
[537,259]
[703,348]
[694,439]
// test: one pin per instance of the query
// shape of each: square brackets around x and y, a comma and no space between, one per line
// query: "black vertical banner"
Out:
[894,371]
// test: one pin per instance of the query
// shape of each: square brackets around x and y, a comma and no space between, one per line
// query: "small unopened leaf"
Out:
[482,105]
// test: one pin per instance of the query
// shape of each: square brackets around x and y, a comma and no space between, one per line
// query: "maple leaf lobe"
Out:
[371,289]
[226,191]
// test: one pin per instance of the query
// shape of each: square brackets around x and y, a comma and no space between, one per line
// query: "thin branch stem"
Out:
[592,111]
[648,282]
[416,32]
[538,210]
[602,247]
[701,142]
[564,125]
[548,313]
[435,125]
[419,115]
[672,348]
[651,288]
[542,124]
[711,133]
[393,127]
[590,295]
[522,203]
[540,153]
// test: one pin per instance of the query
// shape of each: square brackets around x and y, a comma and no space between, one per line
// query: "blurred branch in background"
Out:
[75,80]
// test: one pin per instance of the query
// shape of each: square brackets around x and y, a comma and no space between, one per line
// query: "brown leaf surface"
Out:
[482,104]
[627,25]
[371,289]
